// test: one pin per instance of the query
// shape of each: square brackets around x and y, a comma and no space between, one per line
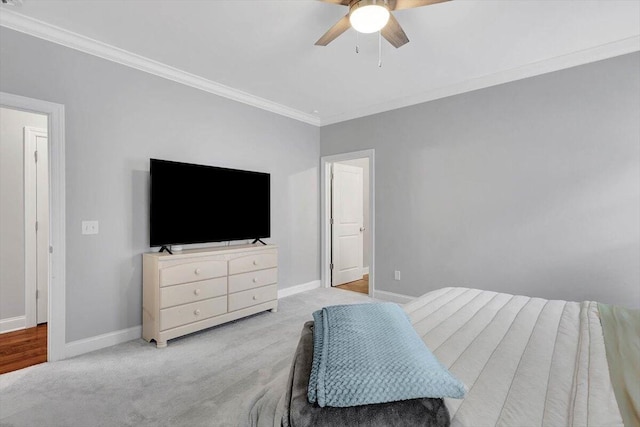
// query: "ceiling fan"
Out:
[369,16]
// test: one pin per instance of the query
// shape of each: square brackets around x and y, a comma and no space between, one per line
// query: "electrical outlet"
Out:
[396,275]
[89,227]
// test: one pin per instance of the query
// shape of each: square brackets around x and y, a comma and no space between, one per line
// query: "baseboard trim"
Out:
[286,292]
[392,296]
[365,270]
[76,348]
[13,324]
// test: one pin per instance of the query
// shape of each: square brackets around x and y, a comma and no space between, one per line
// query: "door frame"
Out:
[57,280]
[325,213]
[31,272]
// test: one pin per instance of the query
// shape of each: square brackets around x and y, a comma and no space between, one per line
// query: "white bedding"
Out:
[526,361]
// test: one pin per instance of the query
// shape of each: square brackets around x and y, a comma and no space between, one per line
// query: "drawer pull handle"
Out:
[196,311]
[197,271]
[255,297]
[255,262]
[255,280]
[196,292]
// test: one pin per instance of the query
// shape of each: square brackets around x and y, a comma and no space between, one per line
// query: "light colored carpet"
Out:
[199,380]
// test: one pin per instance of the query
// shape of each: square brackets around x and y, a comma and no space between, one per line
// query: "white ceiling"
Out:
[266,47]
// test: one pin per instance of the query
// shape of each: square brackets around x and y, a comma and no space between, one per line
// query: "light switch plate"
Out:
[89,227]
[396,275]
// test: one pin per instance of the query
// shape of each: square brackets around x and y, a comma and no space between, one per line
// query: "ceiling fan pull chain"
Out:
[379,49]
[357,47]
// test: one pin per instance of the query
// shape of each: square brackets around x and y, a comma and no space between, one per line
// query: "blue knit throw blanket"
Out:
[370,353]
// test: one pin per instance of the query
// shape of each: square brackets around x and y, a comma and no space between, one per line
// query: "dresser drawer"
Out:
[252,297]
[252,279]
[192,292]
[192,271]
[188,313]
[252,262]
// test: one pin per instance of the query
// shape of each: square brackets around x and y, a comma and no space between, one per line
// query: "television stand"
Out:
[258,240]
[165,248]
[200,288]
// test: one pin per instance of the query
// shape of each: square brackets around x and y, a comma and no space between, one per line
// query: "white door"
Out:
[36,181]
[42,214]
[347,224]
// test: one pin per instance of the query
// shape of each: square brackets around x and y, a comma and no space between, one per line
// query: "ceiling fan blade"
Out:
[410,4]
[342,2]
[340,27]
[394,33]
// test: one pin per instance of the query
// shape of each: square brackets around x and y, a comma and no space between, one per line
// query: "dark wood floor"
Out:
[361,285]
[23,348]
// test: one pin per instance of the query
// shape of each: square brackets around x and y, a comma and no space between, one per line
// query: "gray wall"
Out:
[116,119]
[12,123]
[366,235]
[531,187]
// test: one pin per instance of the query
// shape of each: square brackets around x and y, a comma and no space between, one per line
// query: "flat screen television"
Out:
[199,204]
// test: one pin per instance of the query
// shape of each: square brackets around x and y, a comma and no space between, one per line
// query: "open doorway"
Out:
[32,249]
[24,241]
[347,221]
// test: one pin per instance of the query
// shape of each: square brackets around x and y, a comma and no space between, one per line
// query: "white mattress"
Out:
[525,361]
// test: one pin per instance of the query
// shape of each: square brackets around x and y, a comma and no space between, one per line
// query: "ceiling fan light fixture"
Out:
[369,16]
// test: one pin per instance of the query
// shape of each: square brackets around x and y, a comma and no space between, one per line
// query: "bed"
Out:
[525,361]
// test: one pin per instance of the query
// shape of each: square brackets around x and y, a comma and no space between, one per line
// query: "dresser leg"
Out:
[161,344]
[274,310]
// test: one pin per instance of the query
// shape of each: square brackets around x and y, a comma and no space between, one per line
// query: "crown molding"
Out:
[52,33]
[34,27]
[597,53]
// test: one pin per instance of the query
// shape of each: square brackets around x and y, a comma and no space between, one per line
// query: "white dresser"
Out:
[197,289]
